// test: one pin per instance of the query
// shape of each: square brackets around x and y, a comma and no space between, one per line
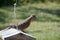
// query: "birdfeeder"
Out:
[14,34]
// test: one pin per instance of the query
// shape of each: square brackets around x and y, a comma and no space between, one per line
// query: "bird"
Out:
[25,24]
[22,26]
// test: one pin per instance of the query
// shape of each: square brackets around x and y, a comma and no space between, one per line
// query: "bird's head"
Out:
[33,15]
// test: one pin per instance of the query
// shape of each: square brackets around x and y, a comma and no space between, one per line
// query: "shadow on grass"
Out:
[37,31]
[3,17]
[54,12]
[25,13]
[38,18]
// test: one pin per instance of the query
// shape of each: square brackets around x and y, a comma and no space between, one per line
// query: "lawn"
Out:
[45,30]
[46,25]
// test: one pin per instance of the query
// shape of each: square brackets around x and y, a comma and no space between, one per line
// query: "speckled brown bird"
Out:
[25,24]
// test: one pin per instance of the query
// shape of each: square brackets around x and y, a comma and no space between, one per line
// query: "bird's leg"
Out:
[22,30]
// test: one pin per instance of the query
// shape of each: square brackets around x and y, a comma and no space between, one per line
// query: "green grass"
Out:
[45,30]
[44,12]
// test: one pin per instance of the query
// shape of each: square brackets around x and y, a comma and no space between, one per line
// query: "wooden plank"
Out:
[14,34]
[20,37]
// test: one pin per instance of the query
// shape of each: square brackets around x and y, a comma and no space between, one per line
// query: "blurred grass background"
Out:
[46,25]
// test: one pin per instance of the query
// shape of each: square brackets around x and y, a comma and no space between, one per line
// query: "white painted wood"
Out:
[14,34]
